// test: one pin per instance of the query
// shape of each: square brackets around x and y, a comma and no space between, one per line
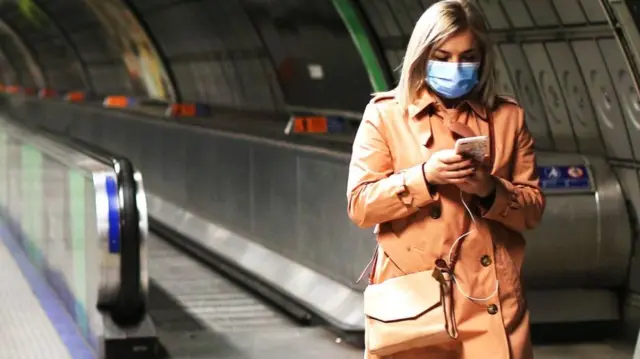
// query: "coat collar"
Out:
[426,99]
[422,128]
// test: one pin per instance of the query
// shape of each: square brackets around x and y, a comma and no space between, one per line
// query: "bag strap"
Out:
[448,267]
[371,265]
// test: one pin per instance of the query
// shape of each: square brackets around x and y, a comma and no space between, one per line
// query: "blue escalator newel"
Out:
[114,216]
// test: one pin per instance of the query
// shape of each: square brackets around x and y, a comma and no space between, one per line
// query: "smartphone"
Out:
[474,147]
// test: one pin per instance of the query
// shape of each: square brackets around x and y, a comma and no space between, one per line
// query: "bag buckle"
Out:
[437,274]
[441,272]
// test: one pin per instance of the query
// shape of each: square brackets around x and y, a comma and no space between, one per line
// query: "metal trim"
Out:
[143,213]
[323,111]
[596,196]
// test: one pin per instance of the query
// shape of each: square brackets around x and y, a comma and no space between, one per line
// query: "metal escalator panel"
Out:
[201,314]
[214,298]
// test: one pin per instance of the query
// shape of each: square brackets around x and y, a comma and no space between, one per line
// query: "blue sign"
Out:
[564,177]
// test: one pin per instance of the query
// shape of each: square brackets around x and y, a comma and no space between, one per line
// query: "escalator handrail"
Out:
[130,304]
[129,307]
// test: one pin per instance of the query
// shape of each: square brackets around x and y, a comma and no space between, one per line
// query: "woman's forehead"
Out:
[461,42]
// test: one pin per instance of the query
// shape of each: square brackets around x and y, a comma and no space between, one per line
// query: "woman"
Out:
[407,181]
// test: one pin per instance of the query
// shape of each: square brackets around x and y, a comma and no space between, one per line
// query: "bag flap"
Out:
[402,298]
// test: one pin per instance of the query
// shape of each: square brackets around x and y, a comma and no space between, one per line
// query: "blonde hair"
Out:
[440,22]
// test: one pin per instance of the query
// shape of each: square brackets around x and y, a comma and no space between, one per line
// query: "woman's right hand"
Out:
[447,167]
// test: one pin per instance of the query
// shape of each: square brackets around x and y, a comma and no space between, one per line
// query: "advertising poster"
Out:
[138,53]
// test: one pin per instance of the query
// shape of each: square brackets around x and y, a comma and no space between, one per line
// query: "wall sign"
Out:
[564,177]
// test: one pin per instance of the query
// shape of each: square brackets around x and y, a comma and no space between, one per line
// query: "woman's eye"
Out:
[440,58]
[470,58]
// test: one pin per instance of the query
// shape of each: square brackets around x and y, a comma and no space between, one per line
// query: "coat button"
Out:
[485,261]
[492,309]
[436,212]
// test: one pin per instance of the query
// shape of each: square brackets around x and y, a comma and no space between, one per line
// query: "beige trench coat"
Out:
[414,226]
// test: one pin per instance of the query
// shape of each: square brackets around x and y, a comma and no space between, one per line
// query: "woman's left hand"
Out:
[480,183]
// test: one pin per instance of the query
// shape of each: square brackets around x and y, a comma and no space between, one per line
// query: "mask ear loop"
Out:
[453,276]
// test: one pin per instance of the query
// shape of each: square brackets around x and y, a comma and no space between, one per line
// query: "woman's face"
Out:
[461,47]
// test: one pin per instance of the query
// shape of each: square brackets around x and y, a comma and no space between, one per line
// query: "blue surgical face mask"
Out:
[452,79]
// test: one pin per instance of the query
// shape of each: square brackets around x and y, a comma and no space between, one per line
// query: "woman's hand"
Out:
[480,183]
[447,167]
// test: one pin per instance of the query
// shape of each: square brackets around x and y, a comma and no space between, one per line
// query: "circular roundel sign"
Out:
[575,172]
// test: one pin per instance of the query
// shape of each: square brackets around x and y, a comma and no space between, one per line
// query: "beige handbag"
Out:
[411,311]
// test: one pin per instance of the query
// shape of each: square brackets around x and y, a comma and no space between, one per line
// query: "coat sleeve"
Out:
[519,203]
[376,193]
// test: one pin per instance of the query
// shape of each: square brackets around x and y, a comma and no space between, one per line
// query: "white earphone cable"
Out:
[455,243]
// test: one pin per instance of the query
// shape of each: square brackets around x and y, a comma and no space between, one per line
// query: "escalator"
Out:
[202,314]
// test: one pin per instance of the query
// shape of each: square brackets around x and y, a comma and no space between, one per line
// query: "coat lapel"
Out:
[421,126]
[420,122]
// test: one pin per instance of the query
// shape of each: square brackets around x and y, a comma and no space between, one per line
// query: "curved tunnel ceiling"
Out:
[562,59]
[14,46]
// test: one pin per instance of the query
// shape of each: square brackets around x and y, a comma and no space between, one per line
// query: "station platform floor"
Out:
[33,322]
[198,314]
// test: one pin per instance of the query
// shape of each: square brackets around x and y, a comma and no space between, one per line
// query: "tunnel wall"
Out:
[562,59]
[281,56]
